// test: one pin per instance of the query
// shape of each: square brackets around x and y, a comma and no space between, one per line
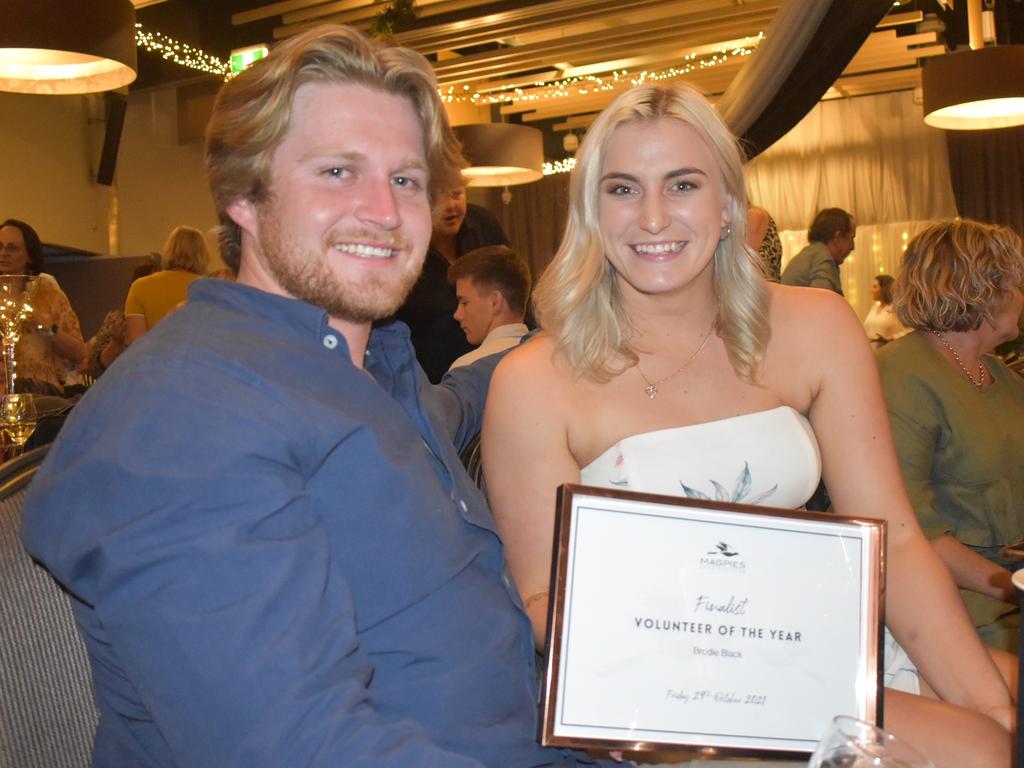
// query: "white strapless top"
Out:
[767,457]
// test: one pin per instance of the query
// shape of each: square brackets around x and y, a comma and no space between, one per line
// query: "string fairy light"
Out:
[544,90]
[559,166]
[180,53]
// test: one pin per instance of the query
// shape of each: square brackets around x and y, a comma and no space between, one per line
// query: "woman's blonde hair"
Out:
[252,113]
[577,299]
[955,274]
[185,249]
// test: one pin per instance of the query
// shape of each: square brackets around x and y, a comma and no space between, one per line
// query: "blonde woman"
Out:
[151,298]
[668,359]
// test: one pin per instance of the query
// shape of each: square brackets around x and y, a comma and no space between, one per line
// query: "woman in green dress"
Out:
[957,411]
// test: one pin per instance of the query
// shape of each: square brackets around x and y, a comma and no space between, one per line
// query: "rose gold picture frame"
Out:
[715,629]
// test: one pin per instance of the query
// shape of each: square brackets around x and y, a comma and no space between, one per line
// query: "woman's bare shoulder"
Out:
[536,358]
[809,312]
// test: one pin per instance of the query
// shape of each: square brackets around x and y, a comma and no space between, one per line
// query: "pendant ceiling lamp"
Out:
[66,46]
[501,154]
[976,89]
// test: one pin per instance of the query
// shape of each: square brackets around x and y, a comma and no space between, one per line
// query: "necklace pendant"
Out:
[651,391]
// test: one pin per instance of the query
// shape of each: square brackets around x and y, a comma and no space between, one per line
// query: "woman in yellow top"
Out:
[152,297]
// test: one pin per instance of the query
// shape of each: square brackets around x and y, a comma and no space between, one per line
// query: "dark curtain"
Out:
[987,169]
[534,219]
[840,34]
[762,107]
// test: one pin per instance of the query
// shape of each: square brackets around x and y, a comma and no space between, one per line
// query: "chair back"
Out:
[47,714]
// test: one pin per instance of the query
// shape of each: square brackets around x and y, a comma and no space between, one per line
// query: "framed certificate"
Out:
[687,625]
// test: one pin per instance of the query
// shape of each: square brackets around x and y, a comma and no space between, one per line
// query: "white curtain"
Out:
[873,156]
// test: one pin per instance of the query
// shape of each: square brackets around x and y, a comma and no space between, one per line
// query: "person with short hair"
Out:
[51,338]
[957,411]
[259,513]
[458,228]
[669,365]
[831,238]
[151,298]
[492,285]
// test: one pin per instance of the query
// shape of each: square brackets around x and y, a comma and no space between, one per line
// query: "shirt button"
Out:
[331,341]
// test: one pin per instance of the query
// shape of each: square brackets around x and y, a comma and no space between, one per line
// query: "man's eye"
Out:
[335,172]
[406,182]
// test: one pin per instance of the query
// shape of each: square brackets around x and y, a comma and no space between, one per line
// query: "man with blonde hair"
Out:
[287,565]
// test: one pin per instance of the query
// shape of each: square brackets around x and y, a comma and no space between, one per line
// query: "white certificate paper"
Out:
[710,627]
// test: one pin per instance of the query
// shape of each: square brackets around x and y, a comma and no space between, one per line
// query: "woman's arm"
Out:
[67,337]
[526,457]
[136,325]
[974,572]
[924,609]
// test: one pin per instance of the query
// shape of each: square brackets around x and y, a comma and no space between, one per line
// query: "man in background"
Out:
[458,228]
[492,286]
[830,240]
[272,550]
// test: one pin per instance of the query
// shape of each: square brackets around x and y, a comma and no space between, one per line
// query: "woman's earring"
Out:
[725,232]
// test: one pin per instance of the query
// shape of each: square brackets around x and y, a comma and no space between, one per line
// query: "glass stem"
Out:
[9,365]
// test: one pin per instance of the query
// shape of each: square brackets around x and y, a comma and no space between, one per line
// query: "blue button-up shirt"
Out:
[276,558]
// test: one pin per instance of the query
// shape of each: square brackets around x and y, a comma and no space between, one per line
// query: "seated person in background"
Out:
[763,237]
[51,338]
[109,342]
[881,324]
[831,239]
[957,412]
[668,360]
[492,285]
[458,228]
[151,298]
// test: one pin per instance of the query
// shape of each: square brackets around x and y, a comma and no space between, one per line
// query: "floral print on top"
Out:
[765,457]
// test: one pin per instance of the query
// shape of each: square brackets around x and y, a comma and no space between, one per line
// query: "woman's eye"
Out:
[684,186]
[619,189]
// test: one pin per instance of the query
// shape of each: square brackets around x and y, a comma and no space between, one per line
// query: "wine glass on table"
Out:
[16,293]
[17,419]
[853,743]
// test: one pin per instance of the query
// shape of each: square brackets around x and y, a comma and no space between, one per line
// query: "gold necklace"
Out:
[651,387]
[981,366]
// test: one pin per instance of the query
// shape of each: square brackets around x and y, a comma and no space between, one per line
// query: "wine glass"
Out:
[853,743]
[18,419]
[16,291]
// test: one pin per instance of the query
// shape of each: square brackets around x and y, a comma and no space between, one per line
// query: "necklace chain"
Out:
[980,382]
[651,387]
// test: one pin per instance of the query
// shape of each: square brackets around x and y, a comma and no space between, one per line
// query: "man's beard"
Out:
[307,276]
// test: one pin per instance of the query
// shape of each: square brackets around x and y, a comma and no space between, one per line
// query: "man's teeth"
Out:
[366,251]
[674,247]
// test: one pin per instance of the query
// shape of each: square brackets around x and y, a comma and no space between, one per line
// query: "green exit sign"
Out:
[243,57]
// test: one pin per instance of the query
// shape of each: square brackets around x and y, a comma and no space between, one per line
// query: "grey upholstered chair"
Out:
[47,714]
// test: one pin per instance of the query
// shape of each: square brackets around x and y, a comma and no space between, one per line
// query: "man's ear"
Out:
[497,300]
[242,211]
